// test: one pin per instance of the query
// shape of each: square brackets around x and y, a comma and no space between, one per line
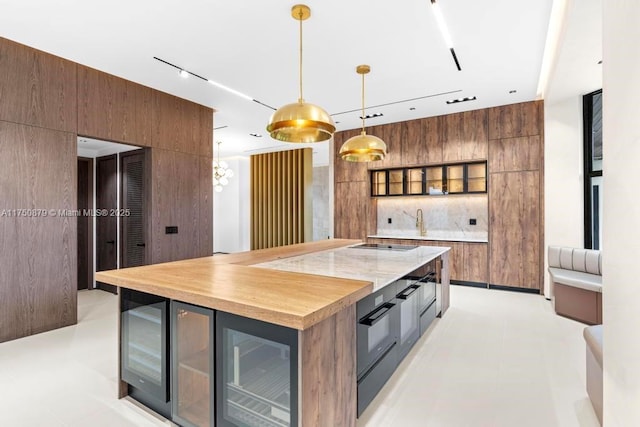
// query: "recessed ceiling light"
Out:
[257,135]
[512,91]
[372,116]
[412,108]
[184,74]
[337,122]
[455,101]
[600,62]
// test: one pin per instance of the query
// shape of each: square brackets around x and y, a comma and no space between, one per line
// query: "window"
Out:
[592,107]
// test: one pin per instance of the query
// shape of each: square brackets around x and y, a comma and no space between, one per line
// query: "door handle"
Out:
[142,245]
[111,242]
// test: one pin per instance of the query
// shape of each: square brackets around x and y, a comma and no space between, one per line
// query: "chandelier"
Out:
[221,172]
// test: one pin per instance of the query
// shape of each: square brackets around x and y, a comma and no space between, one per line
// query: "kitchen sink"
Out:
[384,247]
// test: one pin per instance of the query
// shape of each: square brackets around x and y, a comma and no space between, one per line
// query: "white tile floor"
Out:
[496,359]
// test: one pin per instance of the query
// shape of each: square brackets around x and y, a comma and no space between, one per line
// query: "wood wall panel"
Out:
[175,202]
[38,269]
[464,136]
[515,154]
[281,198]
[205,234]
[476,262]
[37,88]
[328,378]
[206,132]
[516,120]
[351,209]
[391,134]
[181,125]
[109,108]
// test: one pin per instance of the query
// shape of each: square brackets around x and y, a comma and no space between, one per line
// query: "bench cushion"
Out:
[593,337]
[578,279]
[584,260]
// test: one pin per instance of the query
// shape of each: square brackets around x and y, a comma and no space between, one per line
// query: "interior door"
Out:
[85,230]
[106,222]
[133,209]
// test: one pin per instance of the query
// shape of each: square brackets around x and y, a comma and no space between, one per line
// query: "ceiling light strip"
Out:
[444,30]
[400,102]
[212,82]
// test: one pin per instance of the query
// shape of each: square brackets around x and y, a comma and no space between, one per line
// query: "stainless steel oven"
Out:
[408,300]
[377,352]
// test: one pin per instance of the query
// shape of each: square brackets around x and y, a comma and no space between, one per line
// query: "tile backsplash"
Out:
[444,217]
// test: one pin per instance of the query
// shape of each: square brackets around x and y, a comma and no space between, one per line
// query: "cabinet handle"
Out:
[407,292]
[142,245]
[375,316]
[111,242]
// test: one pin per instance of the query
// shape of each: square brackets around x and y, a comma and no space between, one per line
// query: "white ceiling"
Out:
[251,46]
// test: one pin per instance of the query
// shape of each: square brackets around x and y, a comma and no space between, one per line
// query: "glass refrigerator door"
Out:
[144,342]
[257,373]
[192,374]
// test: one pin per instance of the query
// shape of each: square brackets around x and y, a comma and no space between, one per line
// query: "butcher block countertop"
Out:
[228,283]
[295,286]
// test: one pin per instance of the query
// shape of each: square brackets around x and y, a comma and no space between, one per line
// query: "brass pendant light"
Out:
[363,148]
[301,121]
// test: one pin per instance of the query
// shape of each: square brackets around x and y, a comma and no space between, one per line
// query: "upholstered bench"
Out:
[593,339]
[576,283]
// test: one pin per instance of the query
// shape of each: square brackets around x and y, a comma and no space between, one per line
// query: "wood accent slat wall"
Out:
[281,199]
[38,266]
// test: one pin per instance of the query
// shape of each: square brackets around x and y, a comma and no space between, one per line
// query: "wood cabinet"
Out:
[421,142]
[475,262]
[515,154]
[351,210]
[516,120]
[514,224]
[464,136]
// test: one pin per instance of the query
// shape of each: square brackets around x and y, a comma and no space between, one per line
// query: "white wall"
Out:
[621,243]
[232,209]
[563,177]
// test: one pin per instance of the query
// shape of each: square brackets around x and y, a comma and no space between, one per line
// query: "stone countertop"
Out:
[380,267]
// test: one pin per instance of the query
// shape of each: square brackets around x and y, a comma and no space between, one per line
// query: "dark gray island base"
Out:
[186,354]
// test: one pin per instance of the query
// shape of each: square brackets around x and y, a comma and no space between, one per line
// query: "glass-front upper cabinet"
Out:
[459,178]
[192,381]
[455,179]
[257,373]
[476,177]
[435,180]
[396,182]
[415,181]
[379,183]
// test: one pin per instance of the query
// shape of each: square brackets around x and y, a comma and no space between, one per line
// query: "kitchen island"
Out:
[294,305]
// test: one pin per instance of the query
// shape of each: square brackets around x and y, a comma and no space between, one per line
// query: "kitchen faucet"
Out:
[420,223]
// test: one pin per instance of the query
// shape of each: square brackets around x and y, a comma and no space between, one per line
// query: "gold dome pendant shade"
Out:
[301,121]
[363,148]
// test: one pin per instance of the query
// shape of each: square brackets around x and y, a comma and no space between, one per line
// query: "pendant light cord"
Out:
[301,99]
[363,103]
